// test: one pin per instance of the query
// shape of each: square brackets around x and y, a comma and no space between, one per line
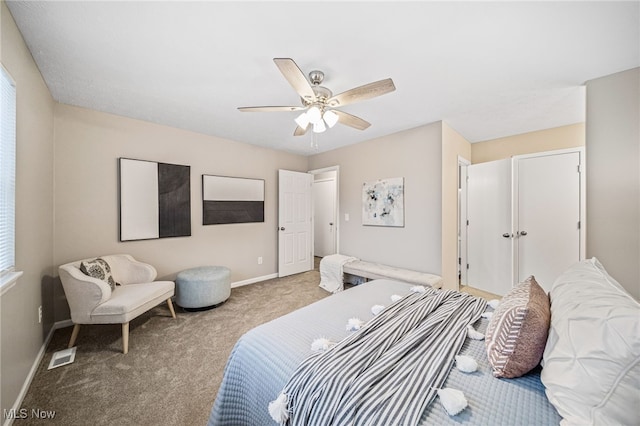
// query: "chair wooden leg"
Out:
[74,335]
[125,337]
[173,312]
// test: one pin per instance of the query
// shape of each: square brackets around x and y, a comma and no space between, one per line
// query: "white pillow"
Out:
[591,363]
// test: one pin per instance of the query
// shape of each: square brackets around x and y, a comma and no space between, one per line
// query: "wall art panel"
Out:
[383,202]
[155,200]
[232,200]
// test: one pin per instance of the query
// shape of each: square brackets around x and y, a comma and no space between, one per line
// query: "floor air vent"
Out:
[63,357]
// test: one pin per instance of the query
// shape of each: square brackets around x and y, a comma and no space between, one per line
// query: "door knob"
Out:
[282,228]
[330,223]
[507,235]
[523,233]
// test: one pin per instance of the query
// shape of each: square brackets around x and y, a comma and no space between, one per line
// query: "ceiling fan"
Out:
[318,103]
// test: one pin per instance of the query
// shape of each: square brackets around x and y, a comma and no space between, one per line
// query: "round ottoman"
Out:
[203,287]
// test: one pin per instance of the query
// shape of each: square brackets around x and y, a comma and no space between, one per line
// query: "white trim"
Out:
[324,180]
[8,280]
[324,170]
[253,280]
[34,368]
[579,149]
[63,324]
[463,160]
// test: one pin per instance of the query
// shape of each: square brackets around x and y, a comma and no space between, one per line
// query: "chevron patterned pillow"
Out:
[518,330]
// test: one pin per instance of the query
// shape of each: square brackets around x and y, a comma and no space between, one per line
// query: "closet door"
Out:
[489,234]
[548,216]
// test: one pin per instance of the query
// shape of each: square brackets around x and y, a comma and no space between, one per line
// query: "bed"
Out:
[264,359]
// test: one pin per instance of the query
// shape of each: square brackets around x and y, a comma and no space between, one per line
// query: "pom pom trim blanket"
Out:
[387,372]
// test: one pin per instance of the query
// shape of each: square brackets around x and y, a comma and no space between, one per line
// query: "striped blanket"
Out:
[388,372]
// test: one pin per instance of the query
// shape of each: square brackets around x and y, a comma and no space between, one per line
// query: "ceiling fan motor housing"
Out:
[322,93]
[316,77]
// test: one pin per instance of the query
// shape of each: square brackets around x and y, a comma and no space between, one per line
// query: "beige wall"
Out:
[570,136]
[21,336]
[453,146]
[414,154]
[613,175]
[87,147]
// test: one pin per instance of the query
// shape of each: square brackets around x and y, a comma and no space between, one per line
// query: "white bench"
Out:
[374,271]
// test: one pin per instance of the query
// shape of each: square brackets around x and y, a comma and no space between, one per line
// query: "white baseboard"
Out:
[34,368]
[253,280]
[63,324]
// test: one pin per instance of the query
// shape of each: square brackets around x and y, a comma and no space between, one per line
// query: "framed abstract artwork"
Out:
[383,202]
[232,200]
[155,200]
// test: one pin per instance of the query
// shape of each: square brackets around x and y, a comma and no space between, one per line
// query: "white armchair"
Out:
[92,301]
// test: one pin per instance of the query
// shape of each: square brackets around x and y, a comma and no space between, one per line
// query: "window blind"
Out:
[7,172]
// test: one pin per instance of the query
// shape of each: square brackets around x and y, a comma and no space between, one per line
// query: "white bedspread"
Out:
[331,272]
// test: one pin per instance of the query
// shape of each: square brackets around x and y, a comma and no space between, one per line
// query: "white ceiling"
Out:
[489,69]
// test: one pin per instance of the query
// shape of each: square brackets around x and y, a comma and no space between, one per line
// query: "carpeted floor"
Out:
[174,367]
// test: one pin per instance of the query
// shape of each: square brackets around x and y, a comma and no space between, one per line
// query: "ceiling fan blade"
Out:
[271,108]
[351,120]
[296,78]
[362,93]
[300,131]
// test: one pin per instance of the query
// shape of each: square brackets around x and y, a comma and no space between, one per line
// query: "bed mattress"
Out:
[264,358]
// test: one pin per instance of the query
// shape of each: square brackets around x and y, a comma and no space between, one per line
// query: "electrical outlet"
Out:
[40,314]
[346,217]
[260,260]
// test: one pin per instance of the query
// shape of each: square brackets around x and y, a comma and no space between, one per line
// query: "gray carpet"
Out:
[174,367]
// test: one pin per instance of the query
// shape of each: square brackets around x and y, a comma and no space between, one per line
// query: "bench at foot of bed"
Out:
[372,271]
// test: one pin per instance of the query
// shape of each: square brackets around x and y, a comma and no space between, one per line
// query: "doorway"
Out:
[325,211]
[463,179]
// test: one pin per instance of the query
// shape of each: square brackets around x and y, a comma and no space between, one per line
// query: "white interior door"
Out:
[489,232]
[548,221]
[294,223]
[324,220]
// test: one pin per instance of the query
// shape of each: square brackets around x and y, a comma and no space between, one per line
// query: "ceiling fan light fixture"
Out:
[318,102]
[331,118]
[314,115]
[319,127]
[302,120]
